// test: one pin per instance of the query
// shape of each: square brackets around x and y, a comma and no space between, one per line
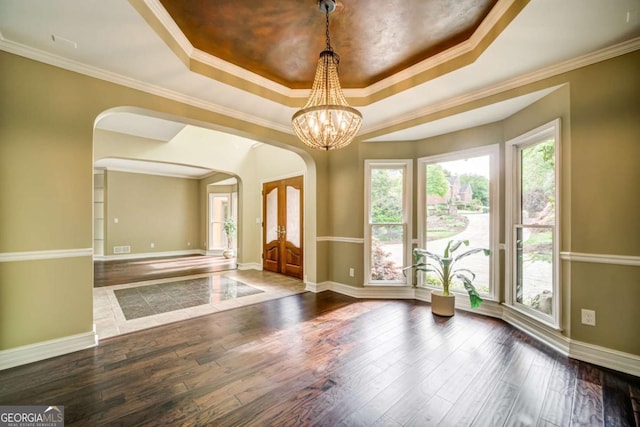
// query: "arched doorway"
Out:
[221,154]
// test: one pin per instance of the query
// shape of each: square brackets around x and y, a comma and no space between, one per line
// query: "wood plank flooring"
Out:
[117,272]
[326,360]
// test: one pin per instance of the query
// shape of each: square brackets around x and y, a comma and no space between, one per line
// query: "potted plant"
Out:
[229,229]
[443,302]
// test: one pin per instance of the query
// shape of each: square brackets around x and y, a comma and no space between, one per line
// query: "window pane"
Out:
[538,184]
[387,250]
[458,208]
[386,196]
[534,269]
[272,215]
[293,216]
[219,210]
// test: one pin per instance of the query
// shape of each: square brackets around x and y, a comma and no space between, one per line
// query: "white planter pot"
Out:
[443,305]
[227,253]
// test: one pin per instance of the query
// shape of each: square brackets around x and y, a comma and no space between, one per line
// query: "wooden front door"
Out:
[282,226]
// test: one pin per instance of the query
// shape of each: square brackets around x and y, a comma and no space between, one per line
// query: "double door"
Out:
[282,232]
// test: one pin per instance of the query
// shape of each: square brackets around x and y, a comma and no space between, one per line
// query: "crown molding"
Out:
[98,73]
[449,60]
[414,117]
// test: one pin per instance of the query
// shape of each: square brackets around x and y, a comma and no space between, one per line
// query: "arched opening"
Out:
[217,164]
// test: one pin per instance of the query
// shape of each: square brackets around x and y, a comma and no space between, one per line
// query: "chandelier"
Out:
[326,121]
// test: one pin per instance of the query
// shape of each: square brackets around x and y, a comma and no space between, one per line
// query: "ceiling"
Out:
[152,168]
[281,40]
[414,68]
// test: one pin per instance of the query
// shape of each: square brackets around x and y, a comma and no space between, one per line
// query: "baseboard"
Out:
[150,255]
[317,287]
[546,335]
[47,349]
[488,308]
[371,292]
[602,356]
[249,266]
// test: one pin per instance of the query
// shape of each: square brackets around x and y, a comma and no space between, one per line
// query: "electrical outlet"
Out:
[352,272]
[153,245]
[588,317]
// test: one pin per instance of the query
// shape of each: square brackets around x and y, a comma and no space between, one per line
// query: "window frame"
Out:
[513,220]
[493,151]
[407,198]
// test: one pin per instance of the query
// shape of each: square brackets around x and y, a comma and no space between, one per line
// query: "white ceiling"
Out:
[139,125]
[111,41]
[152,168]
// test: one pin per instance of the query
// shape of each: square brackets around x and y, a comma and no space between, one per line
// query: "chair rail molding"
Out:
[48,254]
[600,258]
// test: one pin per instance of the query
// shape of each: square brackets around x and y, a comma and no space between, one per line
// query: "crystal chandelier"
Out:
[327,122]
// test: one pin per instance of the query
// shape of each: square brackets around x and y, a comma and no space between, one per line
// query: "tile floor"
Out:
[131,307]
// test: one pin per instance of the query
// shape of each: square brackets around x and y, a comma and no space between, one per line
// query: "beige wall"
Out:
[46,130]
[605,200]
[251,163]
[600,171]
[46,169]
[151,209]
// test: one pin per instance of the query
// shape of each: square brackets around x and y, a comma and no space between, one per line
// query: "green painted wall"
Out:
[46,126]
[150,209]
[47,118]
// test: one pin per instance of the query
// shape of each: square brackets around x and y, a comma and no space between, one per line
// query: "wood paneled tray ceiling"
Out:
[281,40]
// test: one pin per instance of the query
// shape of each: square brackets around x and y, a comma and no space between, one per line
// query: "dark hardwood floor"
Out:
[117,272]
[325,360]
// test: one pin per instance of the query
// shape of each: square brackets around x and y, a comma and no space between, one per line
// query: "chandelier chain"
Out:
[327,28]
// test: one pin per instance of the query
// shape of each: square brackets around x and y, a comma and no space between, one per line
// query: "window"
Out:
[532,183]
[221,207]
[458,200]
[387,230]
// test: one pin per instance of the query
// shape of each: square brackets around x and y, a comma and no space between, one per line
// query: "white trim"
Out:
[47,349]
[50,254]
[250,266]
[512,206]
[467,46]
[538,75]
[407,213]
[151,255]
[513,83]
[359,240]
[543,333]
[493,151]
[602,356]
[317,287]
[165,174]
[109,76]
[600,258]
[488,308]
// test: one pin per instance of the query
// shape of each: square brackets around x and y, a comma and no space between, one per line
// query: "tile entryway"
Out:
[120,309]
